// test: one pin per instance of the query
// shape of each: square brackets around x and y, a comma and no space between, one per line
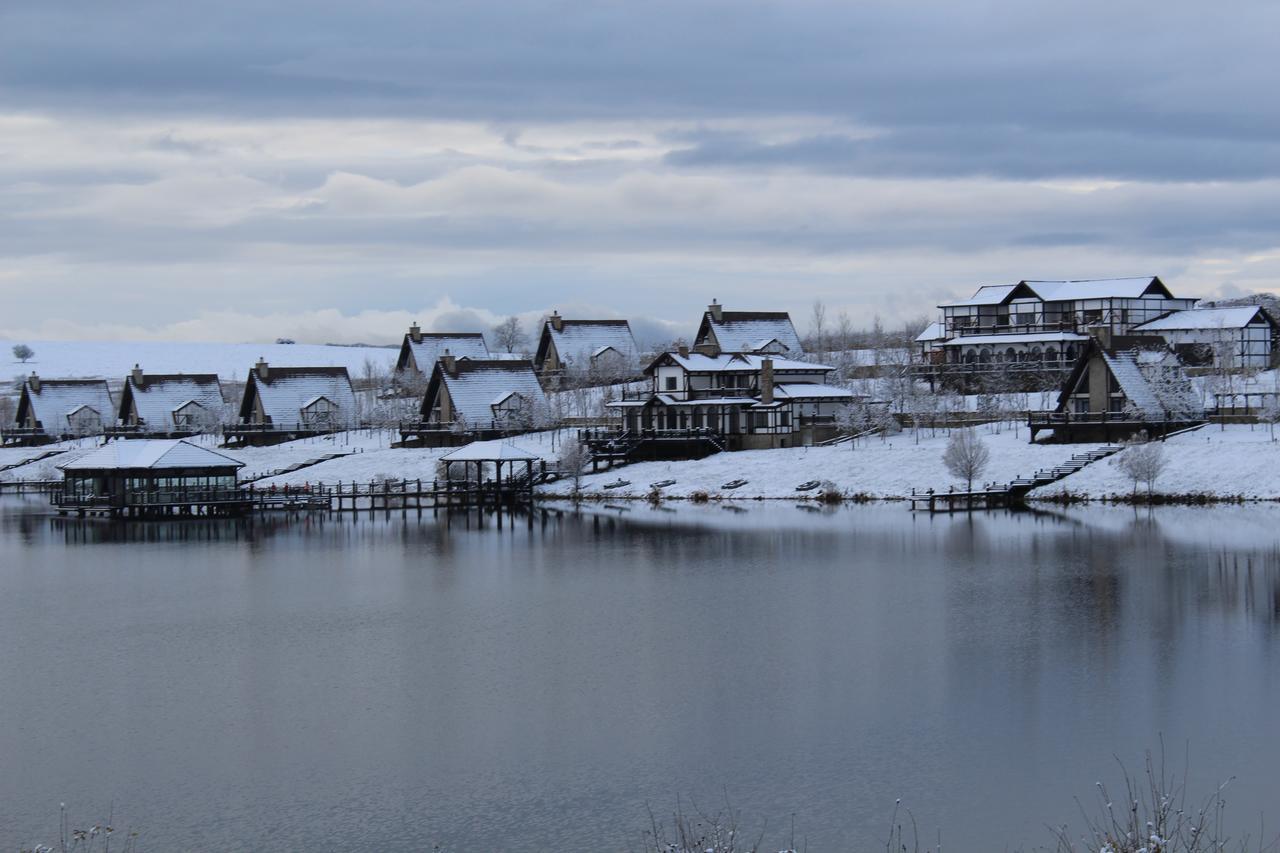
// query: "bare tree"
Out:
[1142,462]
[818,322]
[509,335]
[574,456]
[966,456]
[23,353]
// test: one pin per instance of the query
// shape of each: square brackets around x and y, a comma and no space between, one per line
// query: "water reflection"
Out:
[530,681]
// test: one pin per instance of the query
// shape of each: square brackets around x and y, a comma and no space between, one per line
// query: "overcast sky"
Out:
[332,170]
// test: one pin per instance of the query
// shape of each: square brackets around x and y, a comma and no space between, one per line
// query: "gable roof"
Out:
[935,331]
[1124,366]
[150,454]
[498,450]
[58,398]
[987,294]
[288,390]
[697,362]
[159,396]
[476,386]
[431,345]
[579,341]
[1099,288]
[1205,318]
[742,331]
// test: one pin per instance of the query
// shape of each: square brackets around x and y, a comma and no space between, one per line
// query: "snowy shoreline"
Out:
[1211,465]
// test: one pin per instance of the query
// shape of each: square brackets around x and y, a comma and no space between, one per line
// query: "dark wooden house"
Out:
[169,405]
[587,351]
[57,409]
[284,403]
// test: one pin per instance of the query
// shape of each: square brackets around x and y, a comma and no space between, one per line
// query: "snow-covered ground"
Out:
[880,469]
[112,360]
[1238,461]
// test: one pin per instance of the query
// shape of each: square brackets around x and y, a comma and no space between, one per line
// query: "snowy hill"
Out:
[113,359]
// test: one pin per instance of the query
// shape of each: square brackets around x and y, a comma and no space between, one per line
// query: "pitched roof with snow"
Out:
[696,362]
[491,451]
[1124,366]
[476,386]
[577,342]
[157,398]
[1015,338]
[150,455]
[748,331]
[810,391]
[988,294]
[288,390]
[431,345]
[58,398]
[1100,288]
[1204,318]
[935,331]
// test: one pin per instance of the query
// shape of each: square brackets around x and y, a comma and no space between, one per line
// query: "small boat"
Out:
[733,484]
[616,484]
[808,486]
[662,484]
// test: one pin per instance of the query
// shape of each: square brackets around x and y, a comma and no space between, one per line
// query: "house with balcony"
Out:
[1036,330]
[1232,338]
[730,401]
[168,405]
[757,332]
[58,409]
[420,350]
[586,351]
[469,399]
[284,403]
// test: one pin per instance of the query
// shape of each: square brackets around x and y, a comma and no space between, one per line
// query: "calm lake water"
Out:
[392,684]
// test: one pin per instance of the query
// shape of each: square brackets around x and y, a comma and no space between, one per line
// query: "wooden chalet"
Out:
[58,409]
[285,403]
[420,350]
[1121,386]
[473,398]
[759,332]
[168,405]
[600,350]
[701,401]
[151,478]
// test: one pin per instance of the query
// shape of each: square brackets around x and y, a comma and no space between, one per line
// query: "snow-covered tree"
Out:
[23,353]
[966,456]
[574,456]
[1142,462]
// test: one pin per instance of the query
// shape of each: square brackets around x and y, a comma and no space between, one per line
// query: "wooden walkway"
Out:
[1013,493]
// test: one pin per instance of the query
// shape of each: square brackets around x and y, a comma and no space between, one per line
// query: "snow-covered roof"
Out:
[490,451]
[288,390]
[935,331]
[669,400]
[577,341]
[746,331]
[1013,338]
[810,391]
[156,398]
[58,398]
[431,345]
[1125,368]
[697,362]
[150,454]
[988,294]
[1101,288]
[1203,318]
[477,386]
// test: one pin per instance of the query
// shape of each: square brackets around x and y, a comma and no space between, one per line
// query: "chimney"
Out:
[137,376]
[449,363]
[709,349]
[263,371]
[766,382]
[556,321]
[716,311]
[415,333]
[1101,334]
[34,382]
[683,349]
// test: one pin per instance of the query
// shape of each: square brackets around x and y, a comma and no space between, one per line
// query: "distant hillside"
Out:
[1269,301]
[113,359]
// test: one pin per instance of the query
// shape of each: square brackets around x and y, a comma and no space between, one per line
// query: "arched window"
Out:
[1071,352]
[984,355]
[1050,354]
[970,357]
[1011,355]
[1036,355]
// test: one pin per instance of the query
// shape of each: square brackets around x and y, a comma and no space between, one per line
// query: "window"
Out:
[671,383]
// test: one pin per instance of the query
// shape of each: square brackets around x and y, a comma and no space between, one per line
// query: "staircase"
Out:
[297,466]
[30,459]
[1018,488]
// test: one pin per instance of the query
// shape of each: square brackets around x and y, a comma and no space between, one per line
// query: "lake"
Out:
[389,683]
